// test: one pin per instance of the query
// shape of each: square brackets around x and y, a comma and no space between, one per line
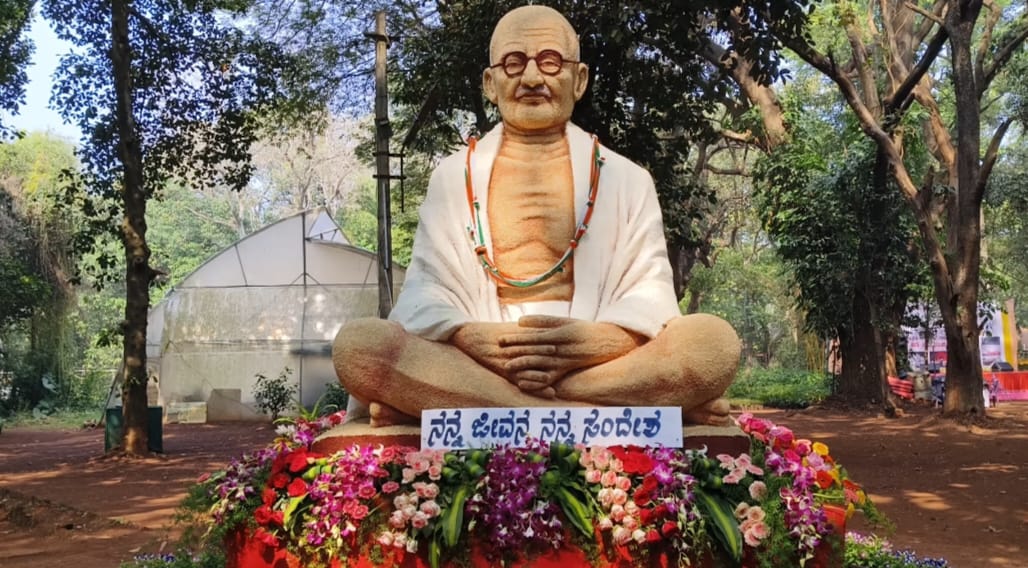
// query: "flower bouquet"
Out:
[617,506]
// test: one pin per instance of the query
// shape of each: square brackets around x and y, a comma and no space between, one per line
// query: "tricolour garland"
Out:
[478,238]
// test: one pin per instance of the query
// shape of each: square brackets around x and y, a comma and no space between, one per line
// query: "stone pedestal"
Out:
[718,440]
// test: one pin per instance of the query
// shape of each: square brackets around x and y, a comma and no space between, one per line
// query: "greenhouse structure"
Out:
[269,304]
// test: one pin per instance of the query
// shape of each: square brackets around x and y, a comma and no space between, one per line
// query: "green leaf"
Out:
[453,517]
[288,514]
[722,520]
[575,510]
[435,553]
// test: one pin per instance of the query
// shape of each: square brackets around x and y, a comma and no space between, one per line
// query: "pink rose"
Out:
[758,490]
[430,508]
[420,466]
[419,520]
[619,496]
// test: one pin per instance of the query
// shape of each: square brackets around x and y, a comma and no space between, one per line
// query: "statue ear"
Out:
[581,80]
[488,86]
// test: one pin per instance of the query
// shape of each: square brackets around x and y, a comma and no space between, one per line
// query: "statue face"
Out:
[540,94]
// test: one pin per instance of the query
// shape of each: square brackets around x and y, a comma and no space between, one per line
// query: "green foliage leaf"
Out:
[722,520]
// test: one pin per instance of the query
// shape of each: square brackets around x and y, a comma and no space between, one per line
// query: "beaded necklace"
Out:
[477,238]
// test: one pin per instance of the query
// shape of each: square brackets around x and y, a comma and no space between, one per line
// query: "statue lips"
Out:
[537,95]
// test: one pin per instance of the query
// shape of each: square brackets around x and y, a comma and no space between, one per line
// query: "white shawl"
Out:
[621,270]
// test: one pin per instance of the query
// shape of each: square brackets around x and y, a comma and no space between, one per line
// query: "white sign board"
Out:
[468,428]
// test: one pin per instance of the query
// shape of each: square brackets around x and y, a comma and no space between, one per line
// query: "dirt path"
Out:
[953,491]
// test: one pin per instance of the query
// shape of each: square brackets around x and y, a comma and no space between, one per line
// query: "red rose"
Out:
[279,464]
[645,516]
[661,511]
[669,529]
[633,459]
[279,480]
[268,496]
[653,536]
[262,515]
[278,517]
[297,461]
[266,538]
[297,487]
[650,483]
[641,497]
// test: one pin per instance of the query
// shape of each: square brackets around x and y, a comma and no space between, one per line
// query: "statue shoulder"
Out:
[613,162]
[449,170]
[623,168]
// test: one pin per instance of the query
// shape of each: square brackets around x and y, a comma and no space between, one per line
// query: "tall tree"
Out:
[163,90]
[36,233]
[970,46]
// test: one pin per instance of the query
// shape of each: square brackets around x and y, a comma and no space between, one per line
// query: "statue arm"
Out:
[641,295]
[441,287]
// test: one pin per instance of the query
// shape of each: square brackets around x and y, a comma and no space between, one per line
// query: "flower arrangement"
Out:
[621,504]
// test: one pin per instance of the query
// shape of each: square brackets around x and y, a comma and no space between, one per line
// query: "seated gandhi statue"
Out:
[539,274]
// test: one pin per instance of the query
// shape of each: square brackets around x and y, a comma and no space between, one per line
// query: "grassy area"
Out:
[779,388]
[60,420]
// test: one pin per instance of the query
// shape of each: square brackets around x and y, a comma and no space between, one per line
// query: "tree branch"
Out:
[862,69]
[935,16]
[741,137]
[726,171]
[991,155]
[929,15]
[896,100]
[1002,56]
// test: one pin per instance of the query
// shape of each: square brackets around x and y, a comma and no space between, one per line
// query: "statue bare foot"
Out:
[384,415]
[714,412]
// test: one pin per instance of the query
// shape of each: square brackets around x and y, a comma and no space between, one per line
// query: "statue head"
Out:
[535,76]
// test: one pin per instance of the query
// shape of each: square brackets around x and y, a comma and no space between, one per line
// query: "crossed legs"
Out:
[397,375]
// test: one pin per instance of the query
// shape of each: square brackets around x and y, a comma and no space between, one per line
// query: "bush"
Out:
[273,395]
[781,388]
[875,552]
[335,398]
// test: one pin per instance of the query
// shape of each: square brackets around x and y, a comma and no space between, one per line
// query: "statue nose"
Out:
[531,77]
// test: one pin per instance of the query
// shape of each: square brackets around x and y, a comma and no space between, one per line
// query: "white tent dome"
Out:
[271,301]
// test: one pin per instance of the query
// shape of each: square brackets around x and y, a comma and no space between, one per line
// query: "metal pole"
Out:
[382,133]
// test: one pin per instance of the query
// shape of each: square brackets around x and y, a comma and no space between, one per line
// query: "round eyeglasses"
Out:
[548,61]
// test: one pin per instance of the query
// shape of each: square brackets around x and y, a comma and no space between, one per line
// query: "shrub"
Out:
[876,552]
[273,395]
[335,398]
[781,388]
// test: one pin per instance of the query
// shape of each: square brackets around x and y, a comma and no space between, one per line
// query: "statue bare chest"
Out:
[531,219]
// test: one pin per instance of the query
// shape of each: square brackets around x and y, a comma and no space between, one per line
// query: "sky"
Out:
[35,114]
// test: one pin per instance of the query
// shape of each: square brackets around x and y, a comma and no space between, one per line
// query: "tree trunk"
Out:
[862,362]
[963,365]
[138,273]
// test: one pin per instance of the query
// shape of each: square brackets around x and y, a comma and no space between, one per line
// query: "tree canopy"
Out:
[15,51]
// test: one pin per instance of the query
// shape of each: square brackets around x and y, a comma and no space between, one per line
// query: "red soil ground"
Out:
[954,490]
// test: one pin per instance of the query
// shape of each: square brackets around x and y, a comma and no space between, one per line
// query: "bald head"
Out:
[527,19]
